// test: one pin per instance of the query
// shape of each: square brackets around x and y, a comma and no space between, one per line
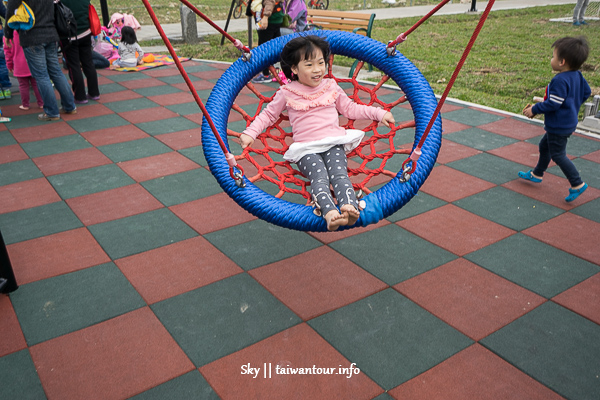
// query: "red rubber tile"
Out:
[42,132]
[499,114]
[172,98]
[181,139]
[162,72]
[206,75]
[113,204]
[474,373]
[121,134]
[177,268]
[519,152]
[452,151]
[10,329]
[13,110]
[71,161]
[469,232]
[27,194]
[102,80]
[450,185]
[55,255]
[330,237]
[115,359]
[198,85]
[595,156]
[90,110]
[316,282]
[142,83]
[197,118]
[244,99]
[570,233]
[584,298]
[297,347]
[119,96]
[449,126]
[212,213]
[148,115]
[147,168]
[470,298]
[12,153]
[513,128]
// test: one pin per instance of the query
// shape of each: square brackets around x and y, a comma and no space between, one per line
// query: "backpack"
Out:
[64,21]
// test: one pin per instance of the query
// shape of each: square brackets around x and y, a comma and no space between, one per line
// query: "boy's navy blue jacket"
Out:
[564,96]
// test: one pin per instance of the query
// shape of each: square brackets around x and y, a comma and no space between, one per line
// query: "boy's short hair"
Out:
[574,50]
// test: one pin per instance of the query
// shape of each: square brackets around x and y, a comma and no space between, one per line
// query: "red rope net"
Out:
[264,160]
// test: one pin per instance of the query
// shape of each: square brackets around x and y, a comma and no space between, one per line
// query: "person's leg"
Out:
[36,91]
[88,67]
[36,60]
[582,12]
[100,62]
[24,91]
[71,55]
[557,145]
[544,160]
[577,15]
[337,167]
[60,82]
[5,82]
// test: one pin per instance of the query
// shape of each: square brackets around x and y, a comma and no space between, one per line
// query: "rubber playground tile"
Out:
[28,133]
[216,74]
[109,89]
[171,101]
[148,115]
[6,139]
[534,265]
[58,145]
[12,153]
[316,282]
[192,67]
[149,91]
[520,152]
[594,156]
[565,232]
[134,149]
[37,222]
[185,387]
[508,208]
[488,167]
[449,184]
[515,128]
[472,117]
[120,94]
[126,79]
[183,187]
[584,298]
[182,139]
[471,299]
[71,161]
[297,347]
[471,232]
[113,204]
[580,145]
[400,254]
[87,111]
[374,333]
[26,194]
[420,203]
[229,315]
[199,85]
[157,166]
[587,169]
[10,330]
[108,136]
[212,213]
[258,238]
[19,377]
[473,369]
[76,365]
[167,125]
[452,151]
[158,72]
[31,121]
[124,106]
[177,268]
[449,126]
[73,301]
[590,210]
[330,237]
[96,123]
[141,232]
[479,139]
[555,347]
[18,171]
[90,180]
[175,79]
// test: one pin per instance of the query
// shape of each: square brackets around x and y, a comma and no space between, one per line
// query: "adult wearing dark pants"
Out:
[39,46]
[270,28]
[78,54]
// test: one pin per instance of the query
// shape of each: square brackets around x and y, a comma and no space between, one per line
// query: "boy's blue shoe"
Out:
[529,176]
[574,193]
[583,23]
[576,23]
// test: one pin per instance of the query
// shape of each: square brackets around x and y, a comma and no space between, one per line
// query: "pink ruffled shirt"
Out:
[313,112]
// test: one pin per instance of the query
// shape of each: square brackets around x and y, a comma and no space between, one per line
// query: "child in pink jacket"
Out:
[17,65]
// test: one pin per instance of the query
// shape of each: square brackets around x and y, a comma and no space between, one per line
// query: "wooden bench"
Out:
[341,21]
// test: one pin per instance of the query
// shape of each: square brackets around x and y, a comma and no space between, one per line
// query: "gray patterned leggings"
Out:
[323,169]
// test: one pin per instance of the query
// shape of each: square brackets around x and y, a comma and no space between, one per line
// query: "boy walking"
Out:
[564,96]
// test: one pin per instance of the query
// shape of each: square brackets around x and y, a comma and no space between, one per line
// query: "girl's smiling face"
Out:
[311,71]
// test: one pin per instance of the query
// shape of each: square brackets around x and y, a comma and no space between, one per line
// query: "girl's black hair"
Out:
[128,35]
[301,48]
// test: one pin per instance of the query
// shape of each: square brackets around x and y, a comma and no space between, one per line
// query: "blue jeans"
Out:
[554,147]
[5,82]
[43,64]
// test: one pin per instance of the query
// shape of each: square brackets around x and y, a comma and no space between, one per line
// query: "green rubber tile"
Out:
[190,386]
[198,68]
[237,126]
[167,125]
[469,116]
[489,167]
[384,396]
[56,306]
[6,139]
[204,94]
[139,233]
[590,210]
[131,105]
[183,187]
[554,346]
[157,90]
[588,170]
[19,377]
[196,154]
[96,123]
[134,149]
[392,254]
[90,180]
[27,121]
[579,145]
[19,171]
[111,88]
[57,145]
[388,98]
[390,338]
[509,208]
[185,108]
[128,76]
[404,139]
[174,79]
[251,245]
[534,265]
[37,222]
[402,114]
[228,316]
[479,139]
[419,204]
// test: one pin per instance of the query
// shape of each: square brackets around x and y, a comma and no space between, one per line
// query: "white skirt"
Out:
[350,140]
